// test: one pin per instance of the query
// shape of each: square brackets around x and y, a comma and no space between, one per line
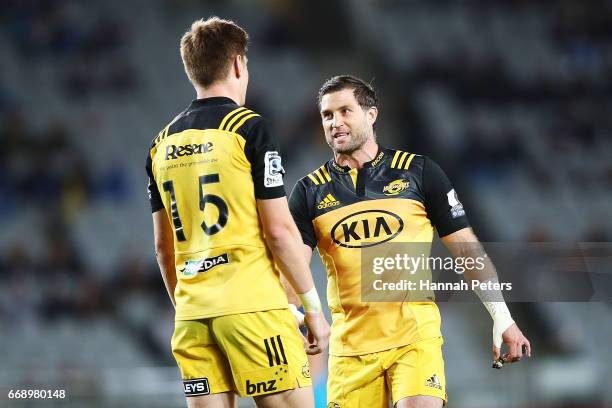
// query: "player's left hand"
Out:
[318,332]
[517,344]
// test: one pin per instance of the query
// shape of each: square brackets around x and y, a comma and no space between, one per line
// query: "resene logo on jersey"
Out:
[174,151]
[367,228]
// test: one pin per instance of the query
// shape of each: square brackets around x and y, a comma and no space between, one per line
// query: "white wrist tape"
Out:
[501,320]
[498,310]
[310,300]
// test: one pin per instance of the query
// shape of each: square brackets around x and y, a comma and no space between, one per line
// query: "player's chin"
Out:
[343,148]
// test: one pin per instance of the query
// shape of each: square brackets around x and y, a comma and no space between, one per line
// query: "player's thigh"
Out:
[204,368]
[418,370]
[265,351]
[297,397]
[356,381]
[222,400]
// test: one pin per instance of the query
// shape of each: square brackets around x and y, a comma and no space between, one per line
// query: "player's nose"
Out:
[337,121]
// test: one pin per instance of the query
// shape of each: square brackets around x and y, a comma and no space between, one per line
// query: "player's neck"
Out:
[220,89]
[359,157]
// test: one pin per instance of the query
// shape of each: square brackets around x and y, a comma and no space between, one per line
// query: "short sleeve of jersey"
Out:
[154,197]
[441,201]
[263,152]
[299,210]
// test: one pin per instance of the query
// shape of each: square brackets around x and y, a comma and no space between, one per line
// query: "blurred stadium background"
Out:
[512,98]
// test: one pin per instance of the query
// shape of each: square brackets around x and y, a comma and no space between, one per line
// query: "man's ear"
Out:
[372,114]
[238,66]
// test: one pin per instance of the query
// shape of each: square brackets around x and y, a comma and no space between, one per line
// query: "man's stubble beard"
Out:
[358,139]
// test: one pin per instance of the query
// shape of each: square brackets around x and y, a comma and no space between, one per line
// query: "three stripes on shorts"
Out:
[275,351]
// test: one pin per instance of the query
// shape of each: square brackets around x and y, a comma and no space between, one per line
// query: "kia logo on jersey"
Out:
[367,228]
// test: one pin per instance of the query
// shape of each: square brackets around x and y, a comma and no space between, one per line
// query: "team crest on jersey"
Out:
[273,170]
[333,404]
[395,187]
[193,267]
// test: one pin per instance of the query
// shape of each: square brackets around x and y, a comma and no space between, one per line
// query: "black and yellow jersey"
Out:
[206,169]
[397,197]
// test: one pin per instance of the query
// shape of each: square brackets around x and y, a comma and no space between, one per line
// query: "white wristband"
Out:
[498,310]
[310,300]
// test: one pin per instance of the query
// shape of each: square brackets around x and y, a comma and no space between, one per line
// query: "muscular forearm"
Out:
[491,298]
[479,277]
[291,295]
[285,242]
[286,247]
[464,244]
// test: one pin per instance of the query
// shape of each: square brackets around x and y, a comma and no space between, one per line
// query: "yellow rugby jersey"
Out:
[206,169]
[397,197]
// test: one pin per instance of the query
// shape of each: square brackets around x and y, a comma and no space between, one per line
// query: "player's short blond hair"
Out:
[209,47]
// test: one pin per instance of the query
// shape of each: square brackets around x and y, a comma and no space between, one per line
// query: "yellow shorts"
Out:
[365,381]
[250,354]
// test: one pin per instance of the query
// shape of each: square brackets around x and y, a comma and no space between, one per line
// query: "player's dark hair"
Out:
[363,91]
[209,48]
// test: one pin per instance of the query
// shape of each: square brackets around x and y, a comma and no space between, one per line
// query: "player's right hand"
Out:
[318,332]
